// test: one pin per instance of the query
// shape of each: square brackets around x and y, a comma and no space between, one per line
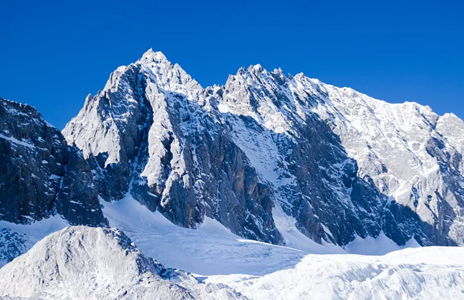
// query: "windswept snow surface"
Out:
[213,250]
[430,273]
[264,271]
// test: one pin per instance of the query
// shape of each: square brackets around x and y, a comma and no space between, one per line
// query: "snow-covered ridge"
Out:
[98,263]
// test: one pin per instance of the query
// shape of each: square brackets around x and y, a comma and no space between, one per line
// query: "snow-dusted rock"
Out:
[412,155]
[98,263]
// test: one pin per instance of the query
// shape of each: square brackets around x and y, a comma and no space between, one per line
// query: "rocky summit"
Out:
[263,154]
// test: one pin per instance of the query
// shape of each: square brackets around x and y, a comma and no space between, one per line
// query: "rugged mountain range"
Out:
[261,154]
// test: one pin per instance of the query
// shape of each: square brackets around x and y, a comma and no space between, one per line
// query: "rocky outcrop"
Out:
[12,245]
[40,175]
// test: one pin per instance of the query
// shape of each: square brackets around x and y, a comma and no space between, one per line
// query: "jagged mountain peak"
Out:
[16,108]
[258,68]
[156,56]
[168,76]
[36,166]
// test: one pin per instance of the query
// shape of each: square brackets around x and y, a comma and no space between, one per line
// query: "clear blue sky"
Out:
[53,53]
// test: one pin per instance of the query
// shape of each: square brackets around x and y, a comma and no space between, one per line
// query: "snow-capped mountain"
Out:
[267,154]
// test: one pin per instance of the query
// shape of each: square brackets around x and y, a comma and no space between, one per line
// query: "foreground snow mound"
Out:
[98,263]
[423,273]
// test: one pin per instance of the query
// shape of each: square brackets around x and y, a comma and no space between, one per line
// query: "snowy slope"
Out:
[208,250]
[427,273]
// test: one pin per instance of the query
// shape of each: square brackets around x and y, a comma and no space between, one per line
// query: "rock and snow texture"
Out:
[426,273]
[271,156]
[98,263]
[412,155]
[211,249]
[16,239]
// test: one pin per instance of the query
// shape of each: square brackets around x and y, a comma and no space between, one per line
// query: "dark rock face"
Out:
[318,184]
[39,174]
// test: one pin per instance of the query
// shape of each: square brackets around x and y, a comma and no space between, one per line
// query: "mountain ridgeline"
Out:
[261,154]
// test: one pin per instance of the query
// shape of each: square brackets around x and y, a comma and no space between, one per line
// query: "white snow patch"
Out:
[16,141]
[39,229]
[223,108]
[377,246]
[295,239]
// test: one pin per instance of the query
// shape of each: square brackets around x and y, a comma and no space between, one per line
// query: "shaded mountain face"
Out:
[40,176]
[268,152]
